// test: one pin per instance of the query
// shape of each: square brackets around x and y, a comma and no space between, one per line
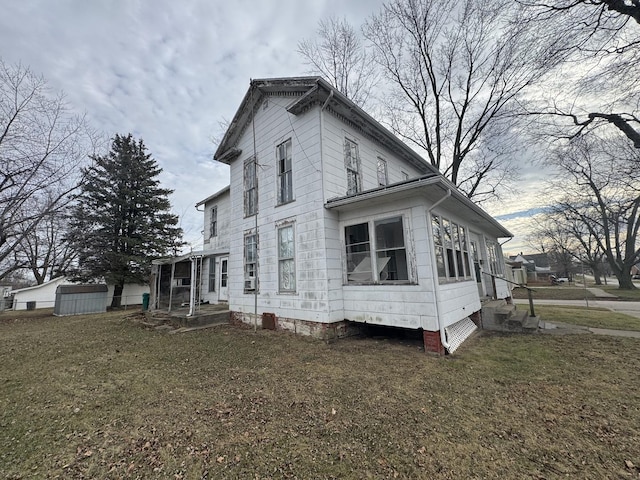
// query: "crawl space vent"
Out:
[459,332]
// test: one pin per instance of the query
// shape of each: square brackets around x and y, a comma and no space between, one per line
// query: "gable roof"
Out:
[306,92]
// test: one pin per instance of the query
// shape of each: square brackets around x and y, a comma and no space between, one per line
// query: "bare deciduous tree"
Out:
[604,196]
[568,240]
[339,55]
[597,83]
[45,251]
[42,144]
[455,71]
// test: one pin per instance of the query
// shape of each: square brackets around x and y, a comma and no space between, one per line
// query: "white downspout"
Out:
[443,336]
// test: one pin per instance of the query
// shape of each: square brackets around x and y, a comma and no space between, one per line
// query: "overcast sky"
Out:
[169,71]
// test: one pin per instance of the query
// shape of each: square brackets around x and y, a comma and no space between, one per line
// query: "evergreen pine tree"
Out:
[122,219]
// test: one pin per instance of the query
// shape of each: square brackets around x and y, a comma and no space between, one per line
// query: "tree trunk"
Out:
[624,281]
[596,273]
[117,295]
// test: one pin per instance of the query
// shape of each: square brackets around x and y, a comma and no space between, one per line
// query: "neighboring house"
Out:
[536,264]
[44,295]
[334,222]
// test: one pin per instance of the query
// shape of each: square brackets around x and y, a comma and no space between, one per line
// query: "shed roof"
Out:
[219,193]
[432,187]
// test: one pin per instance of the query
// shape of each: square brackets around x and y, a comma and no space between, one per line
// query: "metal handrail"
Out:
[530,290]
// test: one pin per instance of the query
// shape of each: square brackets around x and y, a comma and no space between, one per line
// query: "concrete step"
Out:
[213,318]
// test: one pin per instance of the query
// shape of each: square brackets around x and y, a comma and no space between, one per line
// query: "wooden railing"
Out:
[530,291]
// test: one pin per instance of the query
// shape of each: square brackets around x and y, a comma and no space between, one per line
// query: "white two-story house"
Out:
[333,221]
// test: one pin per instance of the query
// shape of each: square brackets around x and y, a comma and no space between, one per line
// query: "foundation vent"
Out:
[459,332]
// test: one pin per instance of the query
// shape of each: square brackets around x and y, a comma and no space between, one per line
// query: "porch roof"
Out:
[188,256]
[432,187]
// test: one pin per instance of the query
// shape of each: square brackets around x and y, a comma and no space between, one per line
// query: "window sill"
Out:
[449,281]
[287,292]
[285,203]
[378,284]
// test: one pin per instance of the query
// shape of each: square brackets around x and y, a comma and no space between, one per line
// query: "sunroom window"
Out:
[381,259]
[451,249]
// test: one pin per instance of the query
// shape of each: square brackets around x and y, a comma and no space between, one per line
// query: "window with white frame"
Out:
[352,164]
[285,174]
[405,175]
[495,267]
[250,187]
[286,259]
[438,246]
[383,178]
[451,249]
[213,222]
[250,261]
[212,274]
[377,258]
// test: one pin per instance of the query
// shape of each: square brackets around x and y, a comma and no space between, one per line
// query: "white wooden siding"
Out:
[335,178]
[310,300]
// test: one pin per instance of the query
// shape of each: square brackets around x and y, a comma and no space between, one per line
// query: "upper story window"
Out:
[352,164]
[213,222]
[451,249]
[383,178]
[285,173]
[250,187]
[377,258]
[405,175]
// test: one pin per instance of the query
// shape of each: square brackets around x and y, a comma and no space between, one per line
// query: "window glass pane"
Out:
[287,275]
[392,265]
[391,259]
[437,231]
[442,272]
[212,274]
[446,233]
[382,172]
[358,253]
[389,233]
[451,263]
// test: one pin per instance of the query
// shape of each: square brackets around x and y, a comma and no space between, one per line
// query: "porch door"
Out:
[474,243]
[223,291]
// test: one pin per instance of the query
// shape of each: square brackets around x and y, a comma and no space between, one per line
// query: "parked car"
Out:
[558,280]
[636,276]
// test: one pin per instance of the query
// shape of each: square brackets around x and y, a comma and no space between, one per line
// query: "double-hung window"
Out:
[377,258]
[250,261]
[285,174]
[451,249]
[213,222]
[250,187]
[286,259]
[352,164]
[383,177]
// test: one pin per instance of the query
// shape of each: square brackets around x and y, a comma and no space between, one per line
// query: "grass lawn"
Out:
[588,317]
[557,292]
[101,397]
[624,295]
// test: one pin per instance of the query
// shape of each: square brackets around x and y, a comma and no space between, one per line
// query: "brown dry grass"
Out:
[100,397]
